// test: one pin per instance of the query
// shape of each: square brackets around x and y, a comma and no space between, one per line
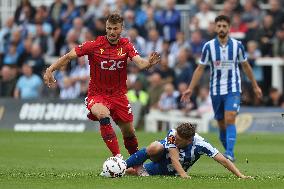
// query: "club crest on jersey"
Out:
[171,139]
[120,52]
[217,63]
[102,50]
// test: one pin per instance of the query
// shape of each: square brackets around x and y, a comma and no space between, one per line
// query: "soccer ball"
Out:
[114,167]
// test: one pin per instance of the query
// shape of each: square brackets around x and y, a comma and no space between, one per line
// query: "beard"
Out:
[112,38]
[222,34]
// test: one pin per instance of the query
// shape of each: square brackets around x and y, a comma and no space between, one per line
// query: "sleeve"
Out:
[207,149]
[241,52]
[170,139]
[85,48]
[205,54]
[19,83]
[131,50]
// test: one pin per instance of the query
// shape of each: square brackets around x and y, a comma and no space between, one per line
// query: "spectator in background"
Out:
[203,101]
[169,21]
[5,35]
[278,42]
[137,94]
[68,91]
[205,15]
[227,10]
[179,44]
[8,81]
[150,23]
[36,59]
[134,74]
[252,54]
[183,68]
[118,6]
[138,41]
[89,36]
[98,28]
[68,16]
[252,17]
[196,43]
[265,35]
[183,106]
[236,4]
[209,33]
[57,8]
[167,73]
[140,16]
[71,42]
[275,98]
[41,18]
[11,58]
[92,9]
[129,19]
[276,11]
[16,39]
[166,52]
[80,76]
[29,84]
[155,90]
[44,39]
[25,12]
[193,24]
[154,43]
[79,29]
[168,99]
[28,42]
[238,28]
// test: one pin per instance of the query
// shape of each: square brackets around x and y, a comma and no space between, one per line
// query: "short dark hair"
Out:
[186,130]
[115,18]
[223,18]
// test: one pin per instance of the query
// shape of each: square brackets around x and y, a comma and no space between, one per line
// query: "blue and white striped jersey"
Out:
[224,69]
[188,155]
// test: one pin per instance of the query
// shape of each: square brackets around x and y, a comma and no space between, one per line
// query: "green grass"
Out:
[74,160]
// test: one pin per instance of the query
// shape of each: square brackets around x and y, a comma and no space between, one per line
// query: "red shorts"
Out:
[119,106]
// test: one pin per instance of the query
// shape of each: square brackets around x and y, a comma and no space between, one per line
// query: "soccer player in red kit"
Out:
[106,98]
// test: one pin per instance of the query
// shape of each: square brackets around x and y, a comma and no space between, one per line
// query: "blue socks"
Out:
[222,137]
[231,135]
[137,158]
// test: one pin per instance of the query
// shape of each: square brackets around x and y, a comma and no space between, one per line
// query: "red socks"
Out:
[109,136]
[131,144]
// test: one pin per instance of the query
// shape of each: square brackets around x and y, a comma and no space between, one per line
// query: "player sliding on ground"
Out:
[176,154]
[107,90]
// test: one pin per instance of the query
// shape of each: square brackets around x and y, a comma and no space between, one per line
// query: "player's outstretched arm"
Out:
[142,63]
[174,155]
[230,166]
[62,61]
[195,79]
[248,71]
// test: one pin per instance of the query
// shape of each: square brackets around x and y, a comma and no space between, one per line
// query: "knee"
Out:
[104,121]
[221,124]
[100,112]
[102,115]
[154,149]
[230,119]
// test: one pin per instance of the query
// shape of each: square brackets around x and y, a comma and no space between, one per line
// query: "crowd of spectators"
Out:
[34,34]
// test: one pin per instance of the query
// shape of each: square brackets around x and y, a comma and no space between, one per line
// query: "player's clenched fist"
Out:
[49,78]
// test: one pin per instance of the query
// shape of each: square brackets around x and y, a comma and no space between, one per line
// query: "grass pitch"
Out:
[74,160]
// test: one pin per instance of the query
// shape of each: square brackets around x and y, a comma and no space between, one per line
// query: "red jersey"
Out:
[108,65]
